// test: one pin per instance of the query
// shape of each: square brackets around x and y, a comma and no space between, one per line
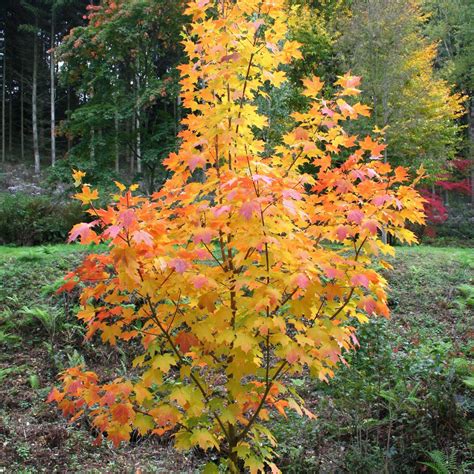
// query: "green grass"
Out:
[25,271]
[465,256]
[7,252]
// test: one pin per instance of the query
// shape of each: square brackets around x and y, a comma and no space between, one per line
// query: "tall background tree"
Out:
[2,68]
[101,76]
[122,65]
[451,26]
[383,42]
[32,100]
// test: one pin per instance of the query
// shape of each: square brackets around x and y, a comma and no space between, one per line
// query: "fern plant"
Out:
[442,463]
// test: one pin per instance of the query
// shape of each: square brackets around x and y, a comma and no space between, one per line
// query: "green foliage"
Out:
[383,411]
[8,372]
[459,224]
[442,463]
[466,298]
[34,381]
[8,339]
[383,41]
[28,220]
[315,27]
[469,382]
[51,319]
[28,303]
[123,63]
[450,24]
[75,358]
[312,24]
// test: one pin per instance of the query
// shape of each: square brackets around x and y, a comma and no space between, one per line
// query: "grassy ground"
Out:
[403,396]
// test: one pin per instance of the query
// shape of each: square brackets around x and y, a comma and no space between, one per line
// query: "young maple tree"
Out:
[241,269]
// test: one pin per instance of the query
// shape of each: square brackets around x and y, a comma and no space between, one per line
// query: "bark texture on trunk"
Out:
[68,114]
[53,95]
[4,62]
[131,127]
[92,145]
[117,147]
[22,116]
[10,115]
[34,99]
[138,121]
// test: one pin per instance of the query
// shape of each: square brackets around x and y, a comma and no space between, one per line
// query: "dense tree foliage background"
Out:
[93,85]
[109,69]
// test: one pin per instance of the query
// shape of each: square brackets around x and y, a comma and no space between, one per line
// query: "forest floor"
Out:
[405,394]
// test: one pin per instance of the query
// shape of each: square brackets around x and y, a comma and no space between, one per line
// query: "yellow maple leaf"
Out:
[163,362]
[86,196]
[78,176]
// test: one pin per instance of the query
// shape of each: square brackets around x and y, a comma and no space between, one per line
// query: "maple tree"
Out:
[241,269]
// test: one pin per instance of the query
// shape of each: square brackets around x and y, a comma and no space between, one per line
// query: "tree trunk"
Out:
[92,146]
[385,236]
[22,116]
[132,151]
[53,94]
[92,134]
[138,121]
[10,115]
[139,144]
[117,148]
[3,100]
[34,98]
[68,114]
[178,113]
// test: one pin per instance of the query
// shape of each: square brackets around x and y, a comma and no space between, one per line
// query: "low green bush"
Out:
[397,401]
[33,220]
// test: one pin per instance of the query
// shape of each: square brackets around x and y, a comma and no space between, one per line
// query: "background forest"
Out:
[94,85]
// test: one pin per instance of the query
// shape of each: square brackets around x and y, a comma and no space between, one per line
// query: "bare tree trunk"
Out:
[10,115]
[34,98]
[138,122]
[385,237]
[178,113]
[92,132]
[139,144]
[3,100]
[92,146]
[22,116]
[68,113]
[117,148]
[472,184]
[53,94]
[132,152]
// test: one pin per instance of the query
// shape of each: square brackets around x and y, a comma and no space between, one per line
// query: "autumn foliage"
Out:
[242,269]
